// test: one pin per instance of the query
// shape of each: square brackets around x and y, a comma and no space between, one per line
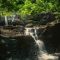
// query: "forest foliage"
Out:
[26,8]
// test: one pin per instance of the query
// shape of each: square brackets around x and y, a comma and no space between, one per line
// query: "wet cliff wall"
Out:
[22,47]
[51,38]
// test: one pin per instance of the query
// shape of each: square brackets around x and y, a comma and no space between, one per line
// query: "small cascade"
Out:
[13,18]
[42,55]
[6,21]
[27,47]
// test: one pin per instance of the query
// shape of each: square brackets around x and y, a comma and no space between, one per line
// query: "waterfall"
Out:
[13,18]
[6,21]
[42,55]
[35,47]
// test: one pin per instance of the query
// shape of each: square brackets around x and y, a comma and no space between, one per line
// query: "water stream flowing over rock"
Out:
[42,53]
[25,47]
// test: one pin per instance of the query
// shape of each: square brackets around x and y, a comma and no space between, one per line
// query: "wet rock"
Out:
[51,38]
[22,47]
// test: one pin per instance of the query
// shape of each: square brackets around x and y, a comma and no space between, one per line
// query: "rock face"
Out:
[11,31]
[51,38]
[43,18]
[22,47]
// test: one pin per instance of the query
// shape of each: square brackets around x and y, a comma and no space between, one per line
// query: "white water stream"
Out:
[43,55]
[6,21]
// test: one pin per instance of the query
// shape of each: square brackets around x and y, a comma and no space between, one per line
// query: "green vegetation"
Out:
[28,7]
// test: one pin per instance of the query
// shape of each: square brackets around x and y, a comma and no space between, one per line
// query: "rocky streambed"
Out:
[16,45]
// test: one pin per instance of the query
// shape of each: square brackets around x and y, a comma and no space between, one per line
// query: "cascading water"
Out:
[42,55]
[13,18]
[6,21]
[25,47]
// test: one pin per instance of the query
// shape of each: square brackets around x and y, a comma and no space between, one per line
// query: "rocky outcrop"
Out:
[13,42]
[11,31]
[51,38]
[22,47]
